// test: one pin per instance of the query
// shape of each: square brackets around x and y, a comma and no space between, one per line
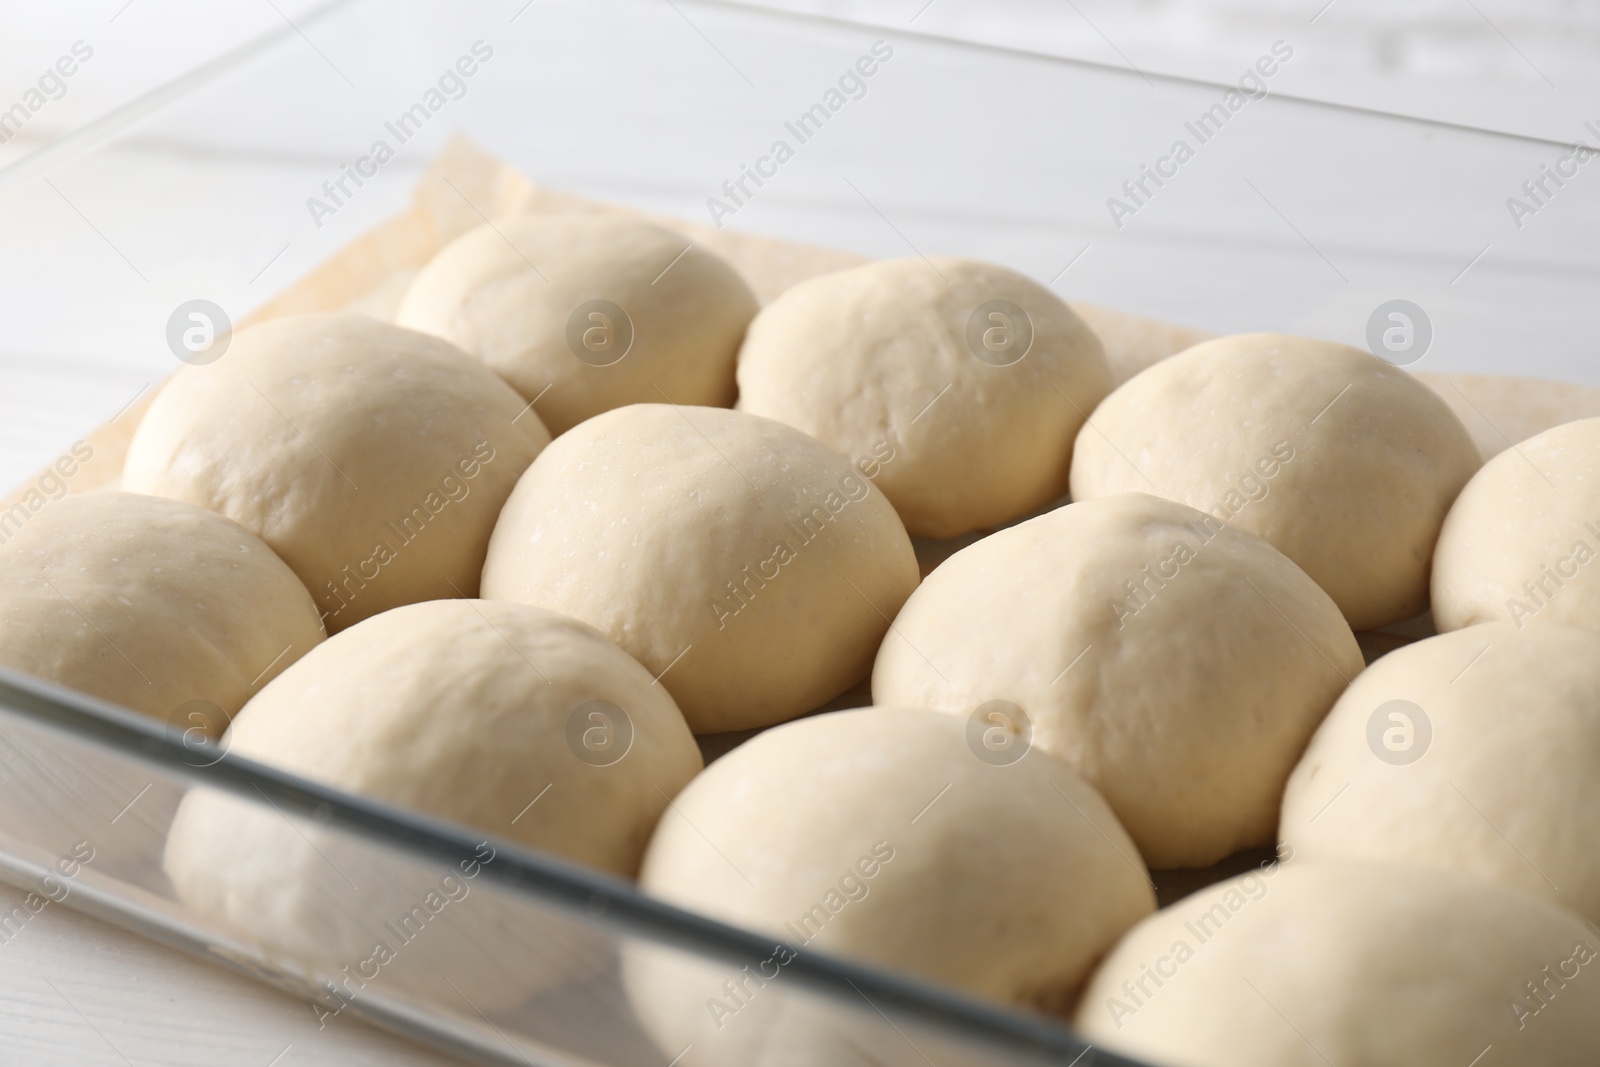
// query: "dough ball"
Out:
[880,834]
[1311,964]
[1477,751]
[1176,662]
[74,805]
[510,720]
[157,606]
[1347,465]
[587,313]
[152,604]
[373,459]
[1520,540]
[958,386]
[749,567]
[468,710]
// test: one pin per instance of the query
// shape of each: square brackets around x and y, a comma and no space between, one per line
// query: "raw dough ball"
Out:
[153,604]
[76,805]
[468,710]
[1344,463]
[1334,963]
[960,386]
[373,459]
[748,566]
[507,719]
[1522,535]
[529,297]
[1476,751]
[881,834]
[1176,662]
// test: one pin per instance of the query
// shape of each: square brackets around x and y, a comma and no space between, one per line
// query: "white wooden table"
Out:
[76,992]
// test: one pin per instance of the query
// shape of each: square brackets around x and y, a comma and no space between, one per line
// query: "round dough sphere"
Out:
[468,710]
[749,567]
[1478,751]
[883,835]
[373,459]
[959,385]
[1176,662]
[1346,464]
[1311,964]
[153,604]
[538,297]
[1520,539]
[510,720]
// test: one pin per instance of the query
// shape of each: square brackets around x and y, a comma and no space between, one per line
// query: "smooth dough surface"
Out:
[1523,535]
[1489,763]
[1346,464]
[1177,662]
[372,459]
[879,834]
[510,294]
[747,565]
[1317,963]
[882,362]
[476,712]
[151,604]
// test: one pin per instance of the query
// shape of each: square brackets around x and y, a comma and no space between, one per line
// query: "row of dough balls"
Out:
[1169,652]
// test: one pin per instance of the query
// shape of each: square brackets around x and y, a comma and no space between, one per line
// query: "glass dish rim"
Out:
[594,897]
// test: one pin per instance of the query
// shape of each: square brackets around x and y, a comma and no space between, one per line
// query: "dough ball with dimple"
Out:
[1346,464]
[1478,750]
[511,721]
[1317,963]
[1522,539]
[882,835]
[373,459]
[750,567]
[1177,662]
[587,313]
[152,604]
[959,385]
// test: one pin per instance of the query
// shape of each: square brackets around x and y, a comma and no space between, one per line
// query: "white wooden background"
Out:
[73,991]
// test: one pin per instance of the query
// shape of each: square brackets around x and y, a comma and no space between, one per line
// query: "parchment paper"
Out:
[464,187]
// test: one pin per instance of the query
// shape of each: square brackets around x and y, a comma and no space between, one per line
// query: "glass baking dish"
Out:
[475,947]
[230,182]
